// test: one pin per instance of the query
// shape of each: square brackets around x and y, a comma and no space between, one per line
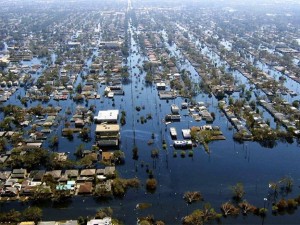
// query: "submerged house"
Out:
[108,134]
[85,188]
[108,116]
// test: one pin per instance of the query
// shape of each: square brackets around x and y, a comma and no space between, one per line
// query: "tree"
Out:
[102,191]
[229,209]
[79,88]
[61,195]
[12,216]
[85,134]
[32,213]
[3,65]
[123,118]
[135,153]
[296,104]
[192,196]
[48,89]
[209,213]
[282,205]
[119,186]
[151,184]
[154,153]
[82,221]
[274,188]
[79,151]
[201,216]
[50,181]
[125,75]
[33,157]
[118,157]
[149,78]
[6,124]
[238,191]
[246,207]
[41,193]
[87,161]
[104,212]
[3,144]
[54,141]
[287,183]
[195,218]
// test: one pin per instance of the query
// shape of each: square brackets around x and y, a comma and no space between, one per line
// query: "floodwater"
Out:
[211,174]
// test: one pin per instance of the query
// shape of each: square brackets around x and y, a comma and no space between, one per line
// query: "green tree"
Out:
[104,212]
[48,89]
[12,216]
[32,213]
[195,218]
[61,195]
[31,158]
[87,161]
[79,151]
[79,88]
[3,144]
[238,191]
[102,191]
[54,141]
[42,193]
[85,134]
[151,184]
[118,157]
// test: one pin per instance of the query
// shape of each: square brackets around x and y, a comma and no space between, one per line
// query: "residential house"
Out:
[68,222]
[108,134]
[19,173]
[4,175]
[56,174]
[71,174]
[88,172]
[107,156]
[37,175]
[27,223]
[85,188]
[47,223]
[104,221]
[110,171]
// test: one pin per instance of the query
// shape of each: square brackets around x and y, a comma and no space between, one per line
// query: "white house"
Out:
[104,221]
[109,116]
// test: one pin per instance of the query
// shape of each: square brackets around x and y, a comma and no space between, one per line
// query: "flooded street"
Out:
[211,169]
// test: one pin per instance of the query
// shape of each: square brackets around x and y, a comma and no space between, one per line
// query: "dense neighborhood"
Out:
[149,112]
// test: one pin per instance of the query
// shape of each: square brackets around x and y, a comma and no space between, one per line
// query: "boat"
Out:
[173,132]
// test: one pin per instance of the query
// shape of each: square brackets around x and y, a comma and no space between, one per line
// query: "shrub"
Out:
[182,154]
[151,184]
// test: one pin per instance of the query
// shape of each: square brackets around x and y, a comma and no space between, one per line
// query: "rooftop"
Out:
[107,128]
[107,115]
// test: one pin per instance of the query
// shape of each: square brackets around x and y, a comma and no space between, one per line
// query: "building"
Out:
[174,109]
[104,221]
[108,116]
[183,144]
[186,133]
[73,44]
[108,131]
[110,44]
[86,188]
[161,86]
[108,134]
